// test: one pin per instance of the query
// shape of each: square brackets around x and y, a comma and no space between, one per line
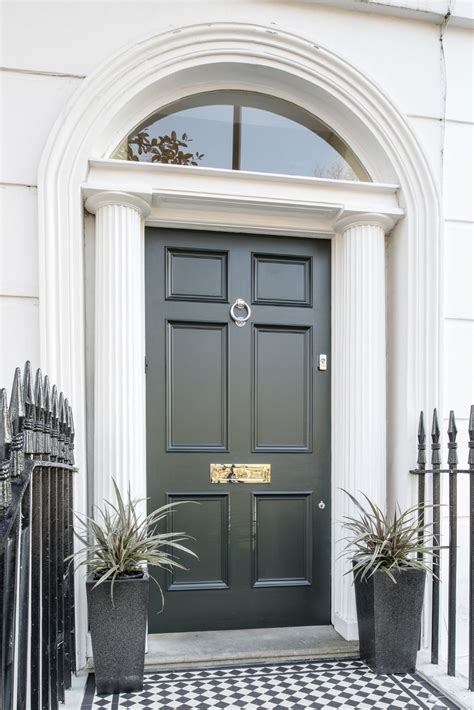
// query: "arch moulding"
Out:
[166,66]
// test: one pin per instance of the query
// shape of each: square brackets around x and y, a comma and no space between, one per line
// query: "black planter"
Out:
[389,618]
[118,633]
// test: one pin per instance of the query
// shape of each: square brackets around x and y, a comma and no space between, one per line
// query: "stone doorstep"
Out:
[225,648]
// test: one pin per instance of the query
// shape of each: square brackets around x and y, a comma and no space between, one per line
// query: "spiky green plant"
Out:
[123,542]
[389,544]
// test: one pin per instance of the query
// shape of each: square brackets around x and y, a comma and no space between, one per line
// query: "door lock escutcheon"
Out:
[321,505]
[323,362]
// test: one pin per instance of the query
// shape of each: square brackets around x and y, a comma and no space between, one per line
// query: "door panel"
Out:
[196,275]
[222,394]
[197,367]
[211,543]
[281,280]
[280,558]
[282,388]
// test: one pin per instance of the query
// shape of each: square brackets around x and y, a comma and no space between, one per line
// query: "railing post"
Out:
[453,537]
[47,418]
[68,502]
[436,465]
[421,464]
[471,549]
[36,548]
[5,567]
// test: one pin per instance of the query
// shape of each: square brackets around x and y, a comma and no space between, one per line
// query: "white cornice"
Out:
[433,11]
[152,170]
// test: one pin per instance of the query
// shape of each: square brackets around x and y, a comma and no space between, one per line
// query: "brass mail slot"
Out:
[241,473]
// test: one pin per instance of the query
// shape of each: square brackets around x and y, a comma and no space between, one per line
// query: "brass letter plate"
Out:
[241,473]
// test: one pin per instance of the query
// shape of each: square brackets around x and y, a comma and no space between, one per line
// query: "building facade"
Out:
[286,293]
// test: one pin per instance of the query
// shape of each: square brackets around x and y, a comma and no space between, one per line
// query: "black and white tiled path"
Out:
[318,684]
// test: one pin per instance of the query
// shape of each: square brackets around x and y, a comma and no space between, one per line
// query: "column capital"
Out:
[122,199]
[364,219]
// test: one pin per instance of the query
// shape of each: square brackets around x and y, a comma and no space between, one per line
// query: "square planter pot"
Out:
[389,619]
[118,633]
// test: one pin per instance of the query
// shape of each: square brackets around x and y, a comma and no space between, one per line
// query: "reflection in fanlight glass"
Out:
[242,131]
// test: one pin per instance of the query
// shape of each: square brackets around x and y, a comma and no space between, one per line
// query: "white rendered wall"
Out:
[458,297]
[18,279]
[30,103]
[45,58]
[48,48]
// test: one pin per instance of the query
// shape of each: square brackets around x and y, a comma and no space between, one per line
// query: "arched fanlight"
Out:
[242,131]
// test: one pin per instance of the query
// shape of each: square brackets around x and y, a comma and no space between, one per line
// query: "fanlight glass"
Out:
[242,131]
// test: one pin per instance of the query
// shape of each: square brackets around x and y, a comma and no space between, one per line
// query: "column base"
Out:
[347,628]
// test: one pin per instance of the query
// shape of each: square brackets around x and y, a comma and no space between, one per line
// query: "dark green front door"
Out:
[219,393]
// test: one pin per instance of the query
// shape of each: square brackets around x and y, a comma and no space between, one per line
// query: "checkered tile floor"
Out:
[318,684]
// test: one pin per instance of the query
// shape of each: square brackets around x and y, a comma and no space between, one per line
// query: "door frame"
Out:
[227,201]
[168,65]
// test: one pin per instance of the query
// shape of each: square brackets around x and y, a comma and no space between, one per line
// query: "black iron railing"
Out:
[37,646]
[436,473]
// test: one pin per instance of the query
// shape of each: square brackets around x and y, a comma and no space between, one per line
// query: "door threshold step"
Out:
[198,649]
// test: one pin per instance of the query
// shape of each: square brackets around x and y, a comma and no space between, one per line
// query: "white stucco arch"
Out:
[136,81]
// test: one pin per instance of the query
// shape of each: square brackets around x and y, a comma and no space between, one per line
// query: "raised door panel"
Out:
[206,518]
[282,539]
[197,384]
[196,275]
[282,388]
[281,280]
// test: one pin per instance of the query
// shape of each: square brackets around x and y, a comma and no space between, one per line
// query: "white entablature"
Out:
[211,198]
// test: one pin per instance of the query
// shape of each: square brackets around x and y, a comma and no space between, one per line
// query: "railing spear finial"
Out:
[29,421]
[47,416]
[39,409]
[5,445]
[435,445]
[62,426]
[452,443]
[71,437]
[17,418]
[67,431]
[54,423]
[421,460]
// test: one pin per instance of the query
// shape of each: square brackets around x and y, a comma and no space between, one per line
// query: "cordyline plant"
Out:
[389,544]
[124,542]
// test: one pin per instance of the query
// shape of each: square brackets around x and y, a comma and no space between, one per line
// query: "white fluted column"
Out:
[359,384]
[119,375]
